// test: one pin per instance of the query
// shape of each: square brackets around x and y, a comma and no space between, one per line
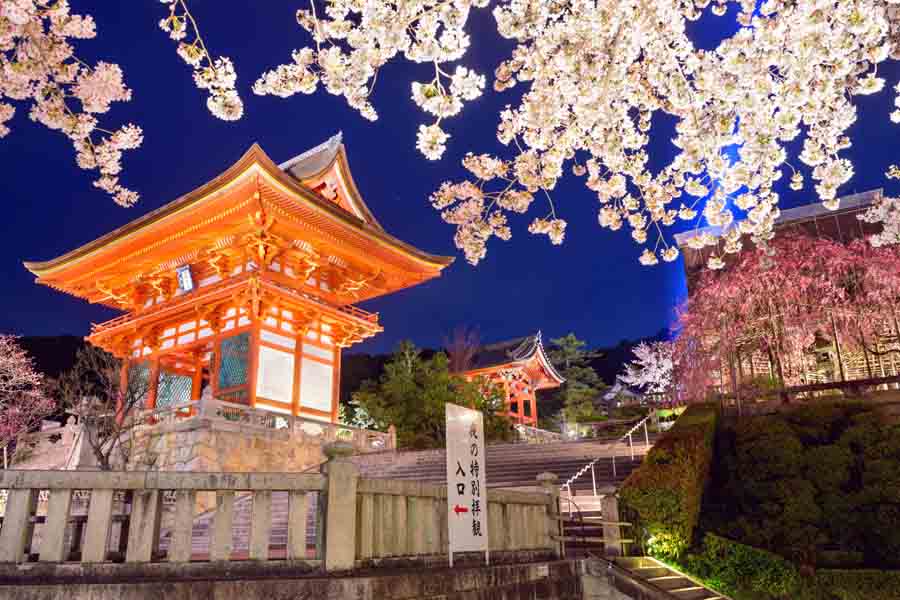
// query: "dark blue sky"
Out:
[592,284]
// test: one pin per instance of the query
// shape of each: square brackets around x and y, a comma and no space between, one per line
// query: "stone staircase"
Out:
[240,540]
[671,583]
[517,465]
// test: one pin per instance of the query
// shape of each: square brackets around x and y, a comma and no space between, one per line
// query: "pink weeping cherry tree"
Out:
[783,300]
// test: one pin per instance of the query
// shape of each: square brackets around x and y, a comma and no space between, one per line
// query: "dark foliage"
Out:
[53,355]
[746,573]
[819,486]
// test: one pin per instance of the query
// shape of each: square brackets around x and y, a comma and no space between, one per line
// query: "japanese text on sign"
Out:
[466,488]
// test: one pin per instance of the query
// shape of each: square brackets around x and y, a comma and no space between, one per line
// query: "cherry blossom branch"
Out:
[38,66]
[352,44]
[215,75]
[23,401]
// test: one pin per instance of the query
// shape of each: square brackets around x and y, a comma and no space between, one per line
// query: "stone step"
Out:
[677,585]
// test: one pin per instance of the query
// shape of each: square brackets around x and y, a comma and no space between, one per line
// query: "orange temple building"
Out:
[246,284]
[520,367]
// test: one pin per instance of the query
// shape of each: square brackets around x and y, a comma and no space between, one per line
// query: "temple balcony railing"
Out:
[362,440]
[355,522]
[224,289]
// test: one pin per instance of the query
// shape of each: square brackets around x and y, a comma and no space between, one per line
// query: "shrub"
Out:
[817,485]
[862,584]
[742,571]
[665,492]
[747,573]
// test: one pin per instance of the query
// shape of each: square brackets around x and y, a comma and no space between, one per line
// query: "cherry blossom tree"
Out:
[651,371]
[784,300]
[589,80]
[595,73]
[23,399]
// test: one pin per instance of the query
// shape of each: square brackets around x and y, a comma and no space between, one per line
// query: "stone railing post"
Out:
[612,530]
[549,482]
[206,406]
[392,433]
[339,503]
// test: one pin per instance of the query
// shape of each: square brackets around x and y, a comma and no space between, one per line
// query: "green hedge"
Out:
[664,494]
[817,485]
[742,572]
[861,584]
[747,573]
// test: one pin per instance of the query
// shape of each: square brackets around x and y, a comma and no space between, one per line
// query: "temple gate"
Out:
[520,367]
[245,286]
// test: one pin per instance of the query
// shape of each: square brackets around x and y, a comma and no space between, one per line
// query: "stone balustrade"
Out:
[363,440]
[358,522]
[532,435]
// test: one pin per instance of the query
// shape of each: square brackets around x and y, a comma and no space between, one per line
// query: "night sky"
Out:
[592,284]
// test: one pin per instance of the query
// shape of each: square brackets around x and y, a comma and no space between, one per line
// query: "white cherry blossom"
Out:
[216,75]
[39,69]
[355,38]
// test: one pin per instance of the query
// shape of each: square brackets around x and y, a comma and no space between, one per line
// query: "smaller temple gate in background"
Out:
[520,367]
[245,286]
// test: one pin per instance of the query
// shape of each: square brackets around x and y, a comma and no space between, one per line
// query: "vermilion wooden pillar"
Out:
[254,362]
[153,381]
[520,406]
[336,385]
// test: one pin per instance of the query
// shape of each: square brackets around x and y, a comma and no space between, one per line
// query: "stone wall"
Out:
[213,445]
[546,580]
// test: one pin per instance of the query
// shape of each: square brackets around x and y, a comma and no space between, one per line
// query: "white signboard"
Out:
[466,488]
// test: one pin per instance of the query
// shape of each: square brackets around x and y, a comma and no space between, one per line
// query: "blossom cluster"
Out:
[887,212]
[652,368]
[477,211]
[216,75]
[355,38]
[38,67]
[596,73]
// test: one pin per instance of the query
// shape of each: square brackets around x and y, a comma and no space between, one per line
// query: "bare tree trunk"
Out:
[865,353]
[837,349]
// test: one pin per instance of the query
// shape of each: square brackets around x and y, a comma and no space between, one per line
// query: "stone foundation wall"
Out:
[554,580]
[203,445]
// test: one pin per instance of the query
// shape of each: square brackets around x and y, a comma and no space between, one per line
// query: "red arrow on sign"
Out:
[460,509]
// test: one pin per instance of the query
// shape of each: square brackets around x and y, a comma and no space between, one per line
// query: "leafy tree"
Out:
[411,395]
[582,385]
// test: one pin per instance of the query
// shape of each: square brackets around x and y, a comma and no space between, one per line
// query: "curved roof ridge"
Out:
[310,162]
[254,154]
[513,351]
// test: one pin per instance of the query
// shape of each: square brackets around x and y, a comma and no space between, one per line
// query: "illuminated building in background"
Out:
[520,368]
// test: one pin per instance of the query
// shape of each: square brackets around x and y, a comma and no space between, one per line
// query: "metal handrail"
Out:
[567,486]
